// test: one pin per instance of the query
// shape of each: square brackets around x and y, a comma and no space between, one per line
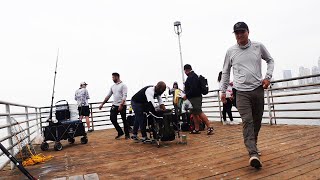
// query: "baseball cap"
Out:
[240,26]
[187,66]
[83,83]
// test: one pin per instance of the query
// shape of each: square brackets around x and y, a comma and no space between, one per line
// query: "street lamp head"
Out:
[177,27]
[177,23]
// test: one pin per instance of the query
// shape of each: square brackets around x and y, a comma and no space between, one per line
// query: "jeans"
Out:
[139,121]
[113,117]
[250,105]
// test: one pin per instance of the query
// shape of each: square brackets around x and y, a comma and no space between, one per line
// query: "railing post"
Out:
[28,124]
[273,109]
[91,114]
[219,101]
[40,118]
[9,131]
[37,119]
[269,106]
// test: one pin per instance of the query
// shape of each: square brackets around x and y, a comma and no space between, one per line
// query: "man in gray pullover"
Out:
[245,59]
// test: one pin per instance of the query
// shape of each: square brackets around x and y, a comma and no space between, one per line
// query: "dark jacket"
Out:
[192,86]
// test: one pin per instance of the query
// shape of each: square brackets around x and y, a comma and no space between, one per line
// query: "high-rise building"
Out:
[287,75]
[301,73]
[307,72]
[315,70]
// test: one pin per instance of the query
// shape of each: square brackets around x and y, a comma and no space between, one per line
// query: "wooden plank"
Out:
[314,174]
[61,178]
[93,176]
[77,177]
[286,149]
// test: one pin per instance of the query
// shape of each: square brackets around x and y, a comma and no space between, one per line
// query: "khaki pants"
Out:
[250,105]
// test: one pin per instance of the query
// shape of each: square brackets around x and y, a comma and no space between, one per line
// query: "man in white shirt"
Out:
[119,91]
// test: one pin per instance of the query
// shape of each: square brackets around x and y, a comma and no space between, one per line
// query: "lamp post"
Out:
[178,31]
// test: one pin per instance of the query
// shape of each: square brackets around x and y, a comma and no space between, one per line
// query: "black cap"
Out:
[187,66]
[240,26]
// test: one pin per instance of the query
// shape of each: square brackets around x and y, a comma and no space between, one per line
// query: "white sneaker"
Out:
[225,122]
[255,162]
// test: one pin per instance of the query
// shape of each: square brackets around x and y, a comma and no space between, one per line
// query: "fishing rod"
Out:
[54,84]
[15,161]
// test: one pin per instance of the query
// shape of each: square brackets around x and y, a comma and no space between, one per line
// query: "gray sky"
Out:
[136,39]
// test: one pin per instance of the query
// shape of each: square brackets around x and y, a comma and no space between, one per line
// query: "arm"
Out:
[124,97]
[265,55]
[106,99]
[87,94]
[225,76]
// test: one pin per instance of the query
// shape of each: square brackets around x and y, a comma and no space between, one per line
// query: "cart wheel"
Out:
[58,146]
[84,140]
[44,146]
[71,140]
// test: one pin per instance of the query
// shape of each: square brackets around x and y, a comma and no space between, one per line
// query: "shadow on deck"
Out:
[288,151]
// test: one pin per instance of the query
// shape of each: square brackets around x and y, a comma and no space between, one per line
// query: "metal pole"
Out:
[182,72]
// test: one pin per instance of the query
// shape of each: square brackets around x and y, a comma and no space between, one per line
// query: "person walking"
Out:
[82,96]
[119,91]
[228,105]
[245,60]
[193,94]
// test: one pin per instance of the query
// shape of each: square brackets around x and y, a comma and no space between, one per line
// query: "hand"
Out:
[120,107]
[223,98]
[265,83]
[162,107]
[100,107]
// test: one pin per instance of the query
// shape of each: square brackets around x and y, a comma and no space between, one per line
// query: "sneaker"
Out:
[145,139]
[90,130]
[135,137]
[234,123]
[118,137]
[255,162]
[127,137]
[224,123]
[210,131]
[195,132]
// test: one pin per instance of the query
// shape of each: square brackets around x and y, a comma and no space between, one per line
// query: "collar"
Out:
[119,82]
[245,46]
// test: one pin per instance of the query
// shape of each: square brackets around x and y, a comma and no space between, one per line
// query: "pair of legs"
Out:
[114,111]
[198,115]
[139,121]
[227,110]
[84,111]
[250,105]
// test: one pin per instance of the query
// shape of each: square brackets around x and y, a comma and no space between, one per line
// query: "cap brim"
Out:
[240,29]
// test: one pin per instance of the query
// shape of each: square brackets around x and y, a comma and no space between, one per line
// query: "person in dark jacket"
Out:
[193,94]
[143,101]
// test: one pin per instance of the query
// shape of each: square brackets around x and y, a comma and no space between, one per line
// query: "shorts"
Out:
[196,105]
[84,110]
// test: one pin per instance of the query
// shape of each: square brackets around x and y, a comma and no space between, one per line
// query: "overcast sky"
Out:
[136,39]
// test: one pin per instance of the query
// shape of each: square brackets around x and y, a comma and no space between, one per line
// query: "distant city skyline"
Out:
[303,71]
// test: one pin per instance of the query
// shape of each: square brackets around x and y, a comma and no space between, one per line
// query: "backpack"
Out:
[203,85]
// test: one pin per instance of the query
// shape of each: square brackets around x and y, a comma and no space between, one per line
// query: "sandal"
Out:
[195,132]
[210,131]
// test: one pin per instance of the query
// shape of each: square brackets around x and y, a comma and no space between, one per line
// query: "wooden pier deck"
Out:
[288,152]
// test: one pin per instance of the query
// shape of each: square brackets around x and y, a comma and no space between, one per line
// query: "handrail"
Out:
[281,103]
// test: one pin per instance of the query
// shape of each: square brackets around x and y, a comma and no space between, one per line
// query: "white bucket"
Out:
[74,114]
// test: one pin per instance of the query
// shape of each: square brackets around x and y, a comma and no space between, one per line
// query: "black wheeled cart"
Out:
[63,129]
